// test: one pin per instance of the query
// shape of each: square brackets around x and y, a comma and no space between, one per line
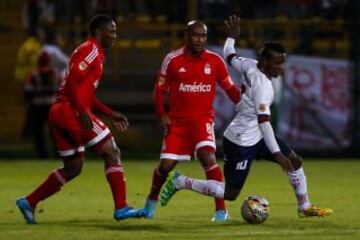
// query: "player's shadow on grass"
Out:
[128,225]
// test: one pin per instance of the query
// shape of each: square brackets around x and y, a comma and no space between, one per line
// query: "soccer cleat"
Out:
[170,188]
[150,208]
[127,212]
[26,210]
[220,216]
[313,211]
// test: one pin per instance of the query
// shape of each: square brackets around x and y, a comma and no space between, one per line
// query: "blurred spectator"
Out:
[39,90]
[59,60]
[47,11]
[27,54]
[26,62]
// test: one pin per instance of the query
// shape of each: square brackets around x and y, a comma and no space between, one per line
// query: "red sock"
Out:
[214,173]
[157,182]
[51,186]
[117,181]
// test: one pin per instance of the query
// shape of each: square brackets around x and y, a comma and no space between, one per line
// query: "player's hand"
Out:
[85,120]
[120,121]
[233,26]
[165,123]
[284,162]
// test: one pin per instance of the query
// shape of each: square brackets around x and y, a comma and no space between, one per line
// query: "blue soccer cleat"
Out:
[150,208]
[26,210]
[220,216]
[127,212]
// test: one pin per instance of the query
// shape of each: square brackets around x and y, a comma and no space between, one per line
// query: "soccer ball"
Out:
[255,209]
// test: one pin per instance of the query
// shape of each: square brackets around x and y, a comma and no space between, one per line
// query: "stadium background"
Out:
[322,37]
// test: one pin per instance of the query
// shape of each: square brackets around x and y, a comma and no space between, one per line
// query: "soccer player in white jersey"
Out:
[250,135]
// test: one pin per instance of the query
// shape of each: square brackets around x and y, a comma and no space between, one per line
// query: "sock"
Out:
[214,173]
[116,178]
[298,181]
[52,185]
[206,187]
[157,182]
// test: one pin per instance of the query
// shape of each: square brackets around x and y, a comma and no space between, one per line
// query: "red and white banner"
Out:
[315,103]
[315,108]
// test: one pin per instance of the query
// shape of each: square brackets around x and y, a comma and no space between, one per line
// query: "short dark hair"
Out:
[97,22]
[265,52]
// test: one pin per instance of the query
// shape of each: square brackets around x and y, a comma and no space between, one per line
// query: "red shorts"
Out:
[185,138]
[69,135]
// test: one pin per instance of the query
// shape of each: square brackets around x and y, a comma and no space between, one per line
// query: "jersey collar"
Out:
[188,56]
[97,44]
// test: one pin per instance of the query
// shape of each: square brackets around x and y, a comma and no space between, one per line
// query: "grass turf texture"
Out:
[84,208]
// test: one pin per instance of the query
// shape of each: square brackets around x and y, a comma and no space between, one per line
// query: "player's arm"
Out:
[233,28]
[75,80]
[262,104]
[240,64]
[160,90]
[120,120]
[101,108]
[225,82]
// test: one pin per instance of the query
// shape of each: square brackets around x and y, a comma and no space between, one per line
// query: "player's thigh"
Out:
[66,130]
[202,133]
[237,164]
[176,143]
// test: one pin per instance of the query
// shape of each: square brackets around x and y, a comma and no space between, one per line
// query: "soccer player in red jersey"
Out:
[75,126]
[189,75]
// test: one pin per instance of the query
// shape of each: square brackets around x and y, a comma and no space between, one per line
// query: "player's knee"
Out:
[165,166]
[206,158]
[110,151]
[231,194]
[72,171]
[296,160]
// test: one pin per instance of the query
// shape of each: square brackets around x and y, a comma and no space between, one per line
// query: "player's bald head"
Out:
[194,24]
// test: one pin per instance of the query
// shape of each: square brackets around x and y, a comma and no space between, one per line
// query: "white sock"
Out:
[206,187]
[298,181]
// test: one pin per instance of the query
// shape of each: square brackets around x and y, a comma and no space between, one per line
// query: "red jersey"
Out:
[190,82]
[82,78]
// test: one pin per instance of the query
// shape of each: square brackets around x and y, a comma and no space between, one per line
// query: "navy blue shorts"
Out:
[238,160]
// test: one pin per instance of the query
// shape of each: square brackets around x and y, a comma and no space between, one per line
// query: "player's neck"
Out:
[261,68]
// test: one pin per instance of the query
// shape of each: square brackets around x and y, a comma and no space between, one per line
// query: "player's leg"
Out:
[175,148]
[206,156]
[57,178]
[176,182]
[204,141]
[71,152]
[299,183]
[103,144]
[159,177]
[237,165]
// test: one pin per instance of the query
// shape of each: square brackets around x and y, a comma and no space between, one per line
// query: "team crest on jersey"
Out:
[207,69]
[262,107]
[161,80]
[82,66]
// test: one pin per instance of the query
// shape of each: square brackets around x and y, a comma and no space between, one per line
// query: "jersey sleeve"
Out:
[80,63]
[226,83]
[162,86]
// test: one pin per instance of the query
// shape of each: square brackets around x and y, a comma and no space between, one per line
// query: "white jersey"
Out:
[259,94]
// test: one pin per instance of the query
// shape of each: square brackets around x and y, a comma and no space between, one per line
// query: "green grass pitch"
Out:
[84,208]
